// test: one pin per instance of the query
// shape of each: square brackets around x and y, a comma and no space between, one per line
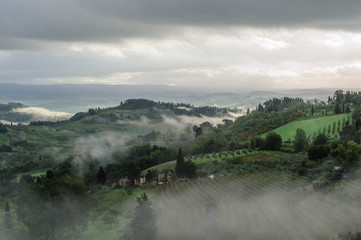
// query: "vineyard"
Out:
[4,140]
[276,205]
[219,157]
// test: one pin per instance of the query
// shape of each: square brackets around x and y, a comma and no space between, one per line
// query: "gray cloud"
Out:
[85,20]
[227,44]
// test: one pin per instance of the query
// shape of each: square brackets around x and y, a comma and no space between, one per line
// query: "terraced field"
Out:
[260,206]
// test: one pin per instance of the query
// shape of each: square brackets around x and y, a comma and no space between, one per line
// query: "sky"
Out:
[220,45]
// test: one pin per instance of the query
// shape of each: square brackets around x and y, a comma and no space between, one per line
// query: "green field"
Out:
[310,126]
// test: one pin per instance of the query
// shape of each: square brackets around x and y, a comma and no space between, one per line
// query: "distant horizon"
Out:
[205,89]
[72,98]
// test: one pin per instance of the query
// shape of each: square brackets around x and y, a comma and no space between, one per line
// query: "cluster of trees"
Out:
[347,97]
[5,148]
[184,169]
[3,128]
[50,207]
[331,158]
[300,142]
[272,142]
[319,148]
[279,104]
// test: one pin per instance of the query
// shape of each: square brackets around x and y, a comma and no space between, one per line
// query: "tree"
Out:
[197,130]
[259,142]
[190,169]
[317,152]
[143,224]
[273,141]
[319,148]
[7,217]
[338,96]
[184,168]
[321,139]
[352,155]
[179,168]
[108,219]
[133,172]
[149,176]
[339,153]
[101,176]
[348,109]
[356,116]
[337,108]
[114,212]
[300,142]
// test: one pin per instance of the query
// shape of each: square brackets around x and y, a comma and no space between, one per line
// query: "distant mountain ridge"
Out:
[74,98]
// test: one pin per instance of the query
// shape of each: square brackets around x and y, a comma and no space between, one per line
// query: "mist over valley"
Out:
[189,120]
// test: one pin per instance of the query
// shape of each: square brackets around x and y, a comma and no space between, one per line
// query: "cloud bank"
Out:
[228,45]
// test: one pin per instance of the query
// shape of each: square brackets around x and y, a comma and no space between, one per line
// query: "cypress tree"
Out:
[101,177]
[300,141]
[144,223]
[7,218]
[179,168]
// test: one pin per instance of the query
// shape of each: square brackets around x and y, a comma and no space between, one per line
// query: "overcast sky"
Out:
[223,45]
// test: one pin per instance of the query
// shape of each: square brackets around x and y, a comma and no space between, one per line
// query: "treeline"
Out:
[279,104]
[48,123]
[145,103]
[345,97]
[178,108]
[130,166]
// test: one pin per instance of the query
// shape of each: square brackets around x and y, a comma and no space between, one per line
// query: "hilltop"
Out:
[133,122]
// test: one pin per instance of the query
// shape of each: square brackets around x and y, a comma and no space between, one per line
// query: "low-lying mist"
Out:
[42,114]
[239,209]
[105,146]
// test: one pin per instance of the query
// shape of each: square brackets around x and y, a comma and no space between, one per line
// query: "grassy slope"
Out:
[310,126]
